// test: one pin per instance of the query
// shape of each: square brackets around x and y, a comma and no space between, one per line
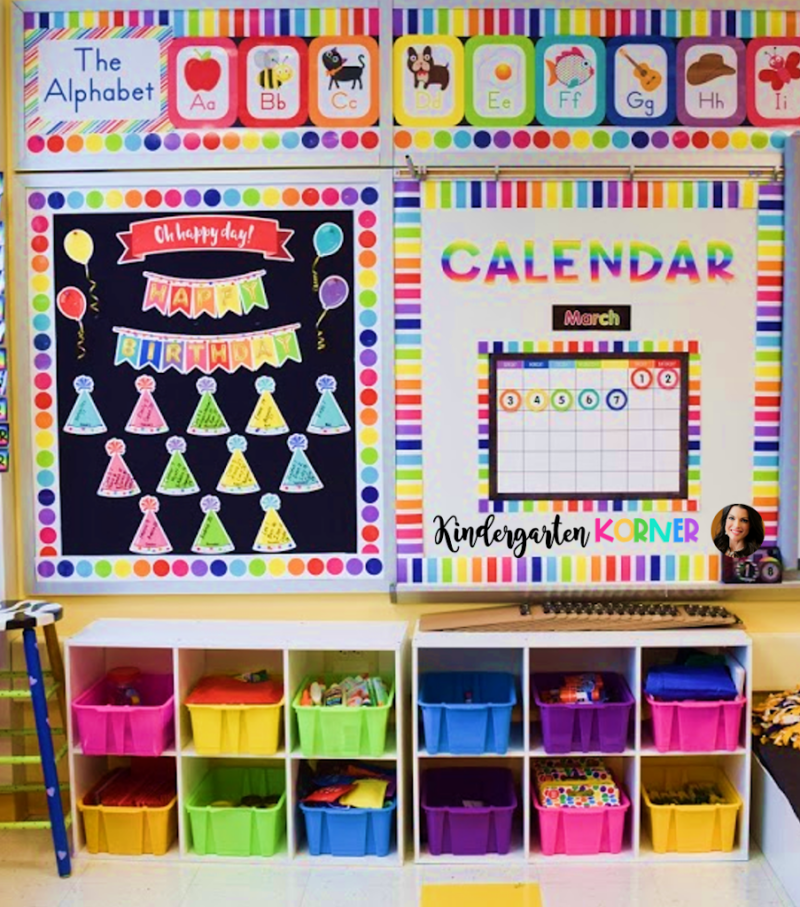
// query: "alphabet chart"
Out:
[587,426]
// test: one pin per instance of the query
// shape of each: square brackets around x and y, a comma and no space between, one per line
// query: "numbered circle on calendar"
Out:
[536,400]
[616,399]
[561,399]
[668,379]
[641,378]
[589,399]
[510,401]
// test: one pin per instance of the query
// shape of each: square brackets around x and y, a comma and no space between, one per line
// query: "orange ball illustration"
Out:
[503,72]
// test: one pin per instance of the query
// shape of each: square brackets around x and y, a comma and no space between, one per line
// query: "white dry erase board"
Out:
[597,363]
[205,382]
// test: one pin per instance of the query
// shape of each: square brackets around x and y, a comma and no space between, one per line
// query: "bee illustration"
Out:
[272,71]
[781,72]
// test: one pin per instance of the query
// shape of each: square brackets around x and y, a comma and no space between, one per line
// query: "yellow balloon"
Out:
[79,246]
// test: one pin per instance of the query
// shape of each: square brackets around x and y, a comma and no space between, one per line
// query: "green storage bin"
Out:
[238,831]
[341,730]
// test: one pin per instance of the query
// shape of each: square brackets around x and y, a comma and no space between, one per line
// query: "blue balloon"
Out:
[328,239]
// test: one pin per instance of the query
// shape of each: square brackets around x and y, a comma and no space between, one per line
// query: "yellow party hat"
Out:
[267,419]
[238,478]
[273,534]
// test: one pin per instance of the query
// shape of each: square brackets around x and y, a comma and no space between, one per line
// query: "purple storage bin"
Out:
[468,830]
[127,730]
[697,727]
[591,727]
[581,832]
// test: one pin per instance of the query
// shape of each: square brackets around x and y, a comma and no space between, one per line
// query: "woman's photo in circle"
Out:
[738,530]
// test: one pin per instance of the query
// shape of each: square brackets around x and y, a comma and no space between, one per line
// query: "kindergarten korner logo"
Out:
[624,529]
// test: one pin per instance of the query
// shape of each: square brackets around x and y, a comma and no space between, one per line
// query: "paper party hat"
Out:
[118,480]
[238,478]
[327,418]
[84,419]
[150,537]
[212,537]
[267,419]
[146,418]
[300,475]
[207,418]
[177,478]
[273,534]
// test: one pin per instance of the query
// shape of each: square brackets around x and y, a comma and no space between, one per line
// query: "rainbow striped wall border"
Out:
[411,197]
[651,505]
[766,443]
[541,23]
[568,569]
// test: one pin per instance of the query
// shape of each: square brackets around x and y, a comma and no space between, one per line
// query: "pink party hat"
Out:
[118,480]
[150,537]
[146,418]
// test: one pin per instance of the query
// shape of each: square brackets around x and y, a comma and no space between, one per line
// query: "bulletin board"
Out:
[111,85]
[569,409]
[512,81]
[206,384]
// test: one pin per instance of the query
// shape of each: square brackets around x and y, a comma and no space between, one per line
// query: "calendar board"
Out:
[566,426]
[569,408]
[205,383]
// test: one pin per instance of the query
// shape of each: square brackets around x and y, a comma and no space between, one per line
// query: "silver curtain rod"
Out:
[632,172]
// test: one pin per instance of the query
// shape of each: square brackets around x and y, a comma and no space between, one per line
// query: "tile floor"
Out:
[28,879]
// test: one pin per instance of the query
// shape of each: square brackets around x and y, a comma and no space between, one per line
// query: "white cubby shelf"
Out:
[630,653]
[289,650]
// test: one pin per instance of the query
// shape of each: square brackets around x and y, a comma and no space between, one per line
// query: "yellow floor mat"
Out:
[516,895]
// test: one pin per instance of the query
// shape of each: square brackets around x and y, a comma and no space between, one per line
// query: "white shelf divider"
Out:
[629,653]
[189,649]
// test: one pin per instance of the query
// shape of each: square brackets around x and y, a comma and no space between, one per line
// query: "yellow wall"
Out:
[769,615]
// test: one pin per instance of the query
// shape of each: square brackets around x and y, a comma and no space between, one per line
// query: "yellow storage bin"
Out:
[251,729]
[689,829]
[130,830]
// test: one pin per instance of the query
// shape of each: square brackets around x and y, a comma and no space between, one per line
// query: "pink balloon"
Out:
[71,303]
[333,292]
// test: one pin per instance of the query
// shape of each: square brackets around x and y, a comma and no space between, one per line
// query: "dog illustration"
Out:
[427,73]
[334,62]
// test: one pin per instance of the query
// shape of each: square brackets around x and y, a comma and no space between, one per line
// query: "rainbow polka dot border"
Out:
[53,570]
[530,140]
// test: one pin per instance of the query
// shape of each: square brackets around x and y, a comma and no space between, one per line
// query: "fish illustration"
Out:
[570,68]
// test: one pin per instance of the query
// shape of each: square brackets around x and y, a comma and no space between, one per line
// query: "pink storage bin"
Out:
[697,727]
[581,832]
[130,730]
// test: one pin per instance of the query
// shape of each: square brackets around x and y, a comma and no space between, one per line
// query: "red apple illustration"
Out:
[202,72]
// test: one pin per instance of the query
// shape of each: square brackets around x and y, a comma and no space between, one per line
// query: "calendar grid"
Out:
[588,429]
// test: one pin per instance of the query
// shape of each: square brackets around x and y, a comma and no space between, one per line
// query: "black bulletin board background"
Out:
[320,521]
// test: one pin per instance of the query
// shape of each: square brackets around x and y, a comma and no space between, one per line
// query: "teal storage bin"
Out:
[238,831]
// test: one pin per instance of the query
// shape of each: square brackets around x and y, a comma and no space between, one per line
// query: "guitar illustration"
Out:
[648,78]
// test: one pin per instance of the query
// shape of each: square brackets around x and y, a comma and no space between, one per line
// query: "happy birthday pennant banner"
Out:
[184,353]
[194,298]
[205,233]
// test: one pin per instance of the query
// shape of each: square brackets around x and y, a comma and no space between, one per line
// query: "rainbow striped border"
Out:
[769,337]
[409,200]
[651,505]
[463,22]
[365,565]
[157,135]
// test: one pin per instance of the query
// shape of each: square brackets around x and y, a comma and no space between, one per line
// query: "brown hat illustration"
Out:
[709,67]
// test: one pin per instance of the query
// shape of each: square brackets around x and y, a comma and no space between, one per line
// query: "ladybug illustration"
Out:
[782,71]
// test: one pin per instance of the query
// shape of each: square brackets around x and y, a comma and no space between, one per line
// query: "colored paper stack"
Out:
[577,783]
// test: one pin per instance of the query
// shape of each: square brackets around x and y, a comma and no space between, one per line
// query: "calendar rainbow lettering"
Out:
[567,261]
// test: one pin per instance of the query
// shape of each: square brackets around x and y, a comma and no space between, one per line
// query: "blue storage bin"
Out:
[349,832]
[452,725]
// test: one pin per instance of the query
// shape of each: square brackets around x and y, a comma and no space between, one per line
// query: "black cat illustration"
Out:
[334,64]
